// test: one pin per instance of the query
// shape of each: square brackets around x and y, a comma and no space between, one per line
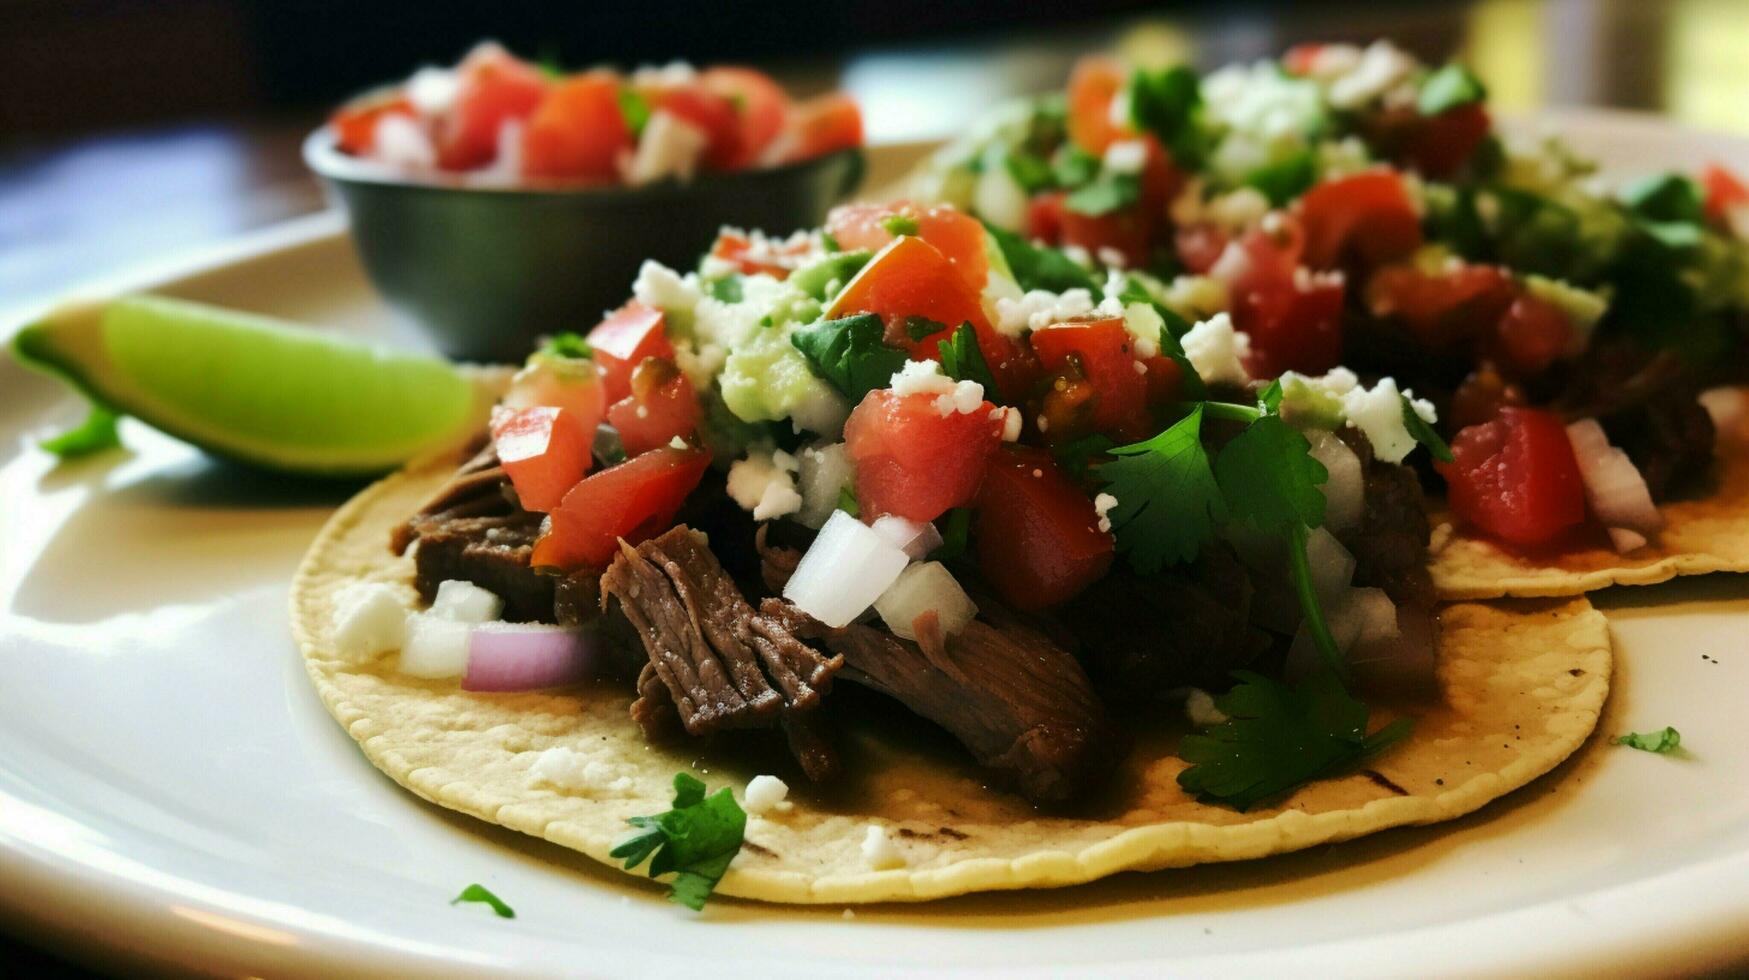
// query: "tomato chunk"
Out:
[1044,217]
[1444,143]
[1093,84]
[1530,336]
[1363,221]
[1724,192]
[355,126]
[634,500]
[822,125]
[711,113]
[907,278]
[761,106]
[1199,246]
[623,340]
[545,451]
[661,407]
[913,461]
[578,131]
[1038,537]
[1103,353]
[492,88]
[777,259]
[570,383]
[1443,309]
[1297,327]
[1515,477]
[957,235]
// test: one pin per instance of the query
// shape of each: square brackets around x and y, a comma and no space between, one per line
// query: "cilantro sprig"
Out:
[850,353]
[962,360]
[1168,504]
[695,841]
[483,895]
[1039,267]
[1664,741]
[1277,737]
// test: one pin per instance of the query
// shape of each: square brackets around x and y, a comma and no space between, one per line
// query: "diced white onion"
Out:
[370,618]
[915,538]
[844,571]
[825,471]
[1403,663]
[997,197]
[436,646]
[465,602]
[924,587]
[1625,540]
[1331,564]
[1358,619]
[1345,491]
[1614,488]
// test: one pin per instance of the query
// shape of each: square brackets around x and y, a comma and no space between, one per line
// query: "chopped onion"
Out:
[465,602]
[527,656]
[1626,540]
[1356,618]
[1614,488]
[915,538]
[1403,663]
[996,196]
[924,587]
[1331,564]
[436,646]
[825,471]
[844,571]
[1345,491]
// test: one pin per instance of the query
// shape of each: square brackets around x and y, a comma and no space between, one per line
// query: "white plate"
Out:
[172,791]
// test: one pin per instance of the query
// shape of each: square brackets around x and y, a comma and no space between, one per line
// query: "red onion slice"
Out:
[528,656]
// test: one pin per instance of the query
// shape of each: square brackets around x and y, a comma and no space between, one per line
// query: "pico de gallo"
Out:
[1352,206]
[498,118]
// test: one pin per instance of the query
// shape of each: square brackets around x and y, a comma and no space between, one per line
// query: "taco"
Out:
[950,592]
[1351,206]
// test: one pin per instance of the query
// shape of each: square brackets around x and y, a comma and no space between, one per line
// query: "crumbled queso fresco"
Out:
[370,618]
[1102,505]
[765,483]
[576,773]
[925,378]
[764,794]
[1217,351]
[879,851]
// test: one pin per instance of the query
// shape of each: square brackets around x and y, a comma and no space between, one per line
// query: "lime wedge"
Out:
[256,389]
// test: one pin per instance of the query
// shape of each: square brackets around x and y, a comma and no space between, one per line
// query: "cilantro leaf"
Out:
[919,327]
[817,280]
[1663,742]
[961,360]
[727,289]
[849,353]
[1032,172]
[1277,737]
[634,108]
[1422,432]
[1449,87]
[94,435]
[1285,180]
[953,535]
[847,502]
[1074,166]
[480,893]
[1037,267]
[1168,103]
[829,242]
[1107,193]
[1168,503]
[567,344]
[695,841]
[1269,477]
[1074,457]
[1666,198]
[899,224]
[1270,398]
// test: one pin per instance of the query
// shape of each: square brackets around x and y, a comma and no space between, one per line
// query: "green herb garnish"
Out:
[695,841]
[97,433]
[1038,267]
[728,289]
[919,327]
[847,502]
[1285,180]
[961,360]
[1422,432]
[850,353]
[1663,741]
[899,224]
[1448,88]
[1277,737]
[1107,193]
[1168,103]
[1666,198]
[567,344]
[482,894]
[954,533]
[635,109]
[1032,172]
[1168,503]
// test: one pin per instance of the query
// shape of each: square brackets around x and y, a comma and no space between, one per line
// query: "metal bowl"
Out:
[487,269]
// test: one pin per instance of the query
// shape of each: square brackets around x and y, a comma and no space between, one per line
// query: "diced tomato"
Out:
[1360,221]
[1515,477]
[907,278]
[579,131]
[1038,536]
[545,451]
[1724,192]
[1165,380]
[711,113]
[1102,352]
[1530,336]
[1443,309]
[913,461]
[634,500]
[662,405]
[493,87]
[1044,217]
[1127,231]
[1441,145]
[1292,328]
[1093,84]
[1199,247]
[560,382]
[957,235]
[355,125]
[1261,259]
[824,124]
[778,259]
[1300,59]
[760,106]
[623,340]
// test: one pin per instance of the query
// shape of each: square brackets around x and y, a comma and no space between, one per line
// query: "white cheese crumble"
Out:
[1196,297]
[668,147]
[1379,413]
[1039,308]
[1109,256]
[670,75]
[1102,505]
[432,90]
[925,378]
[763,794]
[666,290]
[765,483]
[465,602]
[1126,157]
[1199,707]
[1380,68]
[574,772]
[879,850]
[370,618]
[1011,422]
[1217,351]
[400,142]
[677,443]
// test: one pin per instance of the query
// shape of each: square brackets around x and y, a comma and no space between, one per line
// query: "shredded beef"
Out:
[1389,543]
[722,666]
[1647,403]
[1670,440]
[1143,635]
[1020,704]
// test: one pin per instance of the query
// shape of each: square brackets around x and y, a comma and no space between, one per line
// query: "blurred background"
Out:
[133,128]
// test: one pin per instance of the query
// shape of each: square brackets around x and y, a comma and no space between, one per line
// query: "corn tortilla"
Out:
[1523,686]
[1707,534]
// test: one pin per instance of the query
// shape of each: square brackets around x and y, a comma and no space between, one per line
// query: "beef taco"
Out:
[941,587]
[1351,206]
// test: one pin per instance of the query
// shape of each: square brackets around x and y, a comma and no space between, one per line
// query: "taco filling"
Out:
[1352,206]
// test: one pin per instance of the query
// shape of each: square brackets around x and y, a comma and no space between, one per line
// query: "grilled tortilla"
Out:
[1709,533]
[1522,683]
